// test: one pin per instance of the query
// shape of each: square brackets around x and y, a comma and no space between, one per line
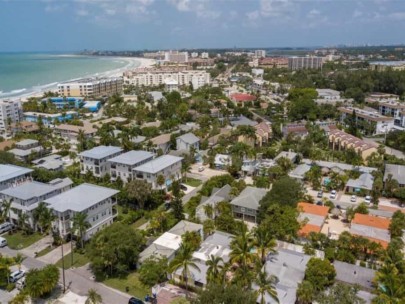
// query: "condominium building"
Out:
[91,87]
[10,113]
[26,197]
[175,56]
[156,78]
[274,62]
[48,119]
[95,201]
[260,53]
[26,148]
[205,55]
[12,176]
[302,63]
[393,109]
[167,166]
[385,65]
[380,124]
[122,165]
[96,160]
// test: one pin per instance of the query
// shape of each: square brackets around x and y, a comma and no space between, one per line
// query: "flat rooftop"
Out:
[8,172]
[80,198]
[101,152]
[131,157]
[370,115]
[158,164]
[33,189]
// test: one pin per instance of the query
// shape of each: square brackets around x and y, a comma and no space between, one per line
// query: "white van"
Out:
[3,242]
[20,283]
[16,275]
[5,227]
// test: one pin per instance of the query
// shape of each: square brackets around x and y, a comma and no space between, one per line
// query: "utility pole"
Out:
[63,266]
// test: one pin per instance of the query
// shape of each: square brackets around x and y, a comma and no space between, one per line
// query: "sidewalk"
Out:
[37,247]
[56,254]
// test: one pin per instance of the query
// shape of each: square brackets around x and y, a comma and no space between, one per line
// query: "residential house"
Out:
[222,161]
[363,184]
[27,196]
[246,205]
[314,217]
[95,201]
[122,165]
[52,162]
[188,141]
[96,160]
[241,98]
[72,132]
[167,166]
[292,156]
[241,121]
[355,275]
[27,148]
[13,176]
[371,227]
[397,172]
[24,127]
[161,142]
[217,195]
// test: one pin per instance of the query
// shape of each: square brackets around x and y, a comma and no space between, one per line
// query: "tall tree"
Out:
[80,225]
[266,286]
[140,191]
[6,208]
[215,265]
[263,243]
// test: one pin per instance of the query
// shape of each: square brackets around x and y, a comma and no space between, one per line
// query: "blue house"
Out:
[66,102]
[92,105]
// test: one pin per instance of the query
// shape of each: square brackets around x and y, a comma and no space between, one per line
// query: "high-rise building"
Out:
[91,87]
[194,55]
[205,55]
[302,63]
[175,56]
[260,53]
[10,112]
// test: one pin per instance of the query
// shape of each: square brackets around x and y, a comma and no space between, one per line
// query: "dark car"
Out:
[320,194]
[182,187]
[319,203]
[135,301]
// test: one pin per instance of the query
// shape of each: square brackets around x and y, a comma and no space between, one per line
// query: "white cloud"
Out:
[357,14]
[181,5]
[313,13]
[398,16]
[253,16]
[276,8]
[82,12]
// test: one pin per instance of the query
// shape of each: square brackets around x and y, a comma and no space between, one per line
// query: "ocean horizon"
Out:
[23,73]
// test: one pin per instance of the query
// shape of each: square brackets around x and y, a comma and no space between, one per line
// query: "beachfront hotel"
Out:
[91,87]
[10,113]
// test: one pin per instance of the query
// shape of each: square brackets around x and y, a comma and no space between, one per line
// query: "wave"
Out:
[13,92]
[39,87]
[17,91]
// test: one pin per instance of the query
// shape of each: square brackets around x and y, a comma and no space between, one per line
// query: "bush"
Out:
[10,287]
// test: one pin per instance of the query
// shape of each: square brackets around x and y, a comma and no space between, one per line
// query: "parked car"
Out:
[319,203]
[16,275]
[20,283]
[332,194]
[183,187]
[320,194]
[5,227]
[353,199]
[3,242]
[201,169]
[367,199]
[134,300]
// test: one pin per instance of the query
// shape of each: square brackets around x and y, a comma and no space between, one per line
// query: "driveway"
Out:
[207,173]
[37,247]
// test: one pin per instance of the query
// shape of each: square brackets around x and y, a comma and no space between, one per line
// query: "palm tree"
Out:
[18,259]
[6,208]
[184,261]
[209,211]
[185,168]
[81,138]
[215,265]
[43,216]
[263,243]
[93,297]
[266,285]
[80,225]
[22,221]
[242,247]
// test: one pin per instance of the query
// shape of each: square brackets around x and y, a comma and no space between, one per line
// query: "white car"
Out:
[332,194]
[353,199]
[16,275]
[201,169]
[3,242]
[367,199]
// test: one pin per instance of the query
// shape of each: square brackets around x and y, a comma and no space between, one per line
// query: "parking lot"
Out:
[207,173]
[342,199]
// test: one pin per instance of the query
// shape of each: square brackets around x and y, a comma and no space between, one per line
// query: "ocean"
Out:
[24,73]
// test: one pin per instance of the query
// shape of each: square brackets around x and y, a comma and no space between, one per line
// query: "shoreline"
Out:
[131,63]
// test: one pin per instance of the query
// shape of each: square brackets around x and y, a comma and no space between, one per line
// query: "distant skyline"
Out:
[72,25]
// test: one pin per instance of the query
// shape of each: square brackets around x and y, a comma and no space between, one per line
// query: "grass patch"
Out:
[139,222]
[79,260]
[136,288]
[193,182]
[18,240]
[45,251]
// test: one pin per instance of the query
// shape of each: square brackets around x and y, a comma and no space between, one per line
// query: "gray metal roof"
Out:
[340,166]
[249,198]
[287,154]
[299,171]
[218,195]
[353,274]
[8,172]
[242,121]
[101,152]
[138,139]
[312,219]
[189,138]
[397,171]
[23,153]
[365,181]
[80,198]
[158,164]
[372,232]
[185,226]
[27,142]
[132,157]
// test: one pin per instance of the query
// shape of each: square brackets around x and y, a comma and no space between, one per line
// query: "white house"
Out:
[123,164]
[187,141]
[95,201]
[96,160]
[166,165]
[12,176]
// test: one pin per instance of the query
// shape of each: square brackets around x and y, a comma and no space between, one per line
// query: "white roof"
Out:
[101,152]
[169,240]
[132,157]
[159,164]
[80,198]
[8,172]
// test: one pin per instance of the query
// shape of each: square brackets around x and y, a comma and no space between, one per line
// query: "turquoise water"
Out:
[22,73]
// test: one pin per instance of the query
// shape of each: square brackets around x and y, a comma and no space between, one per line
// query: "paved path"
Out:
[37,247]
[56,254]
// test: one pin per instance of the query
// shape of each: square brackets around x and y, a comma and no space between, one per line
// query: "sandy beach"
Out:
[132,63]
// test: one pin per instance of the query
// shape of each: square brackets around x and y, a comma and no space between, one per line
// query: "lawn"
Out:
[45,251]
[139,222]
[136,288]
[18,240]
[192,182]
[78,260]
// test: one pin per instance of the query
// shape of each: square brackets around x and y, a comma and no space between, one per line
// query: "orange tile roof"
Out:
[313,209]
[371,221]
[308,228]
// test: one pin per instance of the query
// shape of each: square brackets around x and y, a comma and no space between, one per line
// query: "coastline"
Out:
[132,63]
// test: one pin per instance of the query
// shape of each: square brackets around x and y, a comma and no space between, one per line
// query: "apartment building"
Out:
[95,201]
[48,119]
[167,166]
[65,102]
[303,63]
[157,77]
[10,113]
[381,124]
[175,56]
[26,148]
[260,53]
[393,109]
[91,87]
[122,165]
[27,196]
[96,160]
[274,62]
[12,176]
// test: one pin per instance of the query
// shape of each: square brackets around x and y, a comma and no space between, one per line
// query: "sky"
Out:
[73,25]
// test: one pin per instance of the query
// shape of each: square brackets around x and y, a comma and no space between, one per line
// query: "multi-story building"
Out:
[260,53]
[156,78]
[302,63]
[12,176]
[26,197]
[385,65]
[167,166]
[65,102]
[25,148]
[175,56]
[71,132]
[10,113]
[91,87]
[246,205]
[274,62]
[96,160]
[194,55]
[48,119]
[205,55]
[377,123]
[187,141]
[122,165]
[95,201]
[393,109]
